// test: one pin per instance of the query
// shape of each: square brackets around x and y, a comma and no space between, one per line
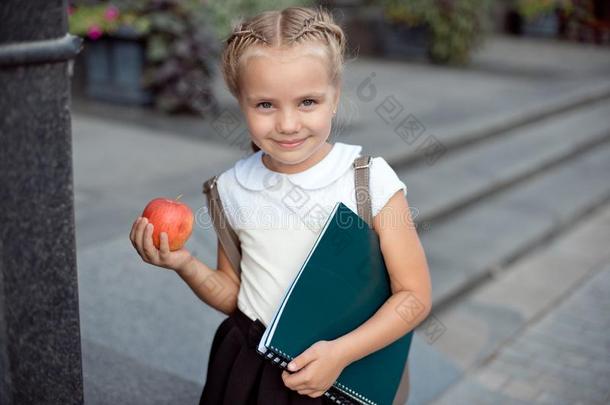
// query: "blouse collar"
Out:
[252,173]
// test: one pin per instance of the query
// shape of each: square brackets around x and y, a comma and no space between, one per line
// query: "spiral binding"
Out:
[338,398]
[277,359]
[333,393]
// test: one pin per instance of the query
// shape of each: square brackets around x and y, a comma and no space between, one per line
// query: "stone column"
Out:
[40,348]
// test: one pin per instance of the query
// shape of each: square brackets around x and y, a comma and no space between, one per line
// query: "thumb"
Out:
[163,243]
[301,360]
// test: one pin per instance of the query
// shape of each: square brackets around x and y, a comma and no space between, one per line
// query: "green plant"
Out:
[181,52]
[530,9]
[95,20]
[180,47]
[401,12]
[456,26]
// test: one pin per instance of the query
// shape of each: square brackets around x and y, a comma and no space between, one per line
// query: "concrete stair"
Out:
[463,134]
[485,206]
[469,175]
[497,184]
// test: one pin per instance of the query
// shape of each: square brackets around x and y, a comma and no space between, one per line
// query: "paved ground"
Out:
[533,183]
[537,332]
[562,358]
[470,332]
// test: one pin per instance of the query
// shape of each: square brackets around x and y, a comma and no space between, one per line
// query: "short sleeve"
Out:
[383,183]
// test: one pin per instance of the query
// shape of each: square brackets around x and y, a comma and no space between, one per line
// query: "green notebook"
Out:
[342,283]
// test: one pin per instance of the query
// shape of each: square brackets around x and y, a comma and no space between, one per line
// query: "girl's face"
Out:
[286,96]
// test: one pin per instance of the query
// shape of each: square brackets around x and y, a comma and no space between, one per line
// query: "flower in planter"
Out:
[111,13]
[175,43]
[94,21]
[94,31]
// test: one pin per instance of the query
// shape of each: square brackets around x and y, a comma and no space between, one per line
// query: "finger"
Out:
[139,238]
[303,387]
[316,394]
[132,233]
[285,375]
[149,248]
[288,382]
[297,380]
[305,391]
[163,244]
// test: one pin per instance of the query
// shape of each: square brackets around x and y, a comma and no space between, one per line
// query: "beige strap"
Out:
[361,179]
[227,236]
[363,200]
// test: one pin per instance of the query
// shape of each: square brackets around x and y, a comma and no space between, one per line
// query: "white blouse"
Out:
[278,217]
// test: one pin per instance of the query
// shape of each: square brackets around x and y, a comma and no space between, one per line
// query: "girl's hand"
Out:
[141,239]
[318,368]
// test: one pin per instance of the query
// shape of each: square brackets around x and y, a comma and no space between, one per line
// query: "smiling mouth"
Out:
[291,145]
[291,142]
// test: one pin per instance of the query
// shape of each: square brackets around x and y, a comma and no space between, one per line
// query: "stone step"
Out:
[455,182]
[465,133]
[479,241]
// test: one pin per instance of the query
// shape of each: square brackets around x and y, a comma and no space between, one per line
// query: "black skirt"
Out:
[238,375]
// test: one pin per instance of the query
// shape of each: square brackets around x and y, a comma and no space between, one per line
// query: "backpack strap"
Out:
[361,178]
[363,200]
[227,236]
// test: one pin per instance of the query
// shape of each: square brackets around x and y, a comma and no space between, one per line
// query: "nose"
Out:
[288,122]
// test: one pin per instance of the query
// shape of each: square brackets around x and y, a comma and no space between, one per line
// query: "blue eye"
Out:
[307,99]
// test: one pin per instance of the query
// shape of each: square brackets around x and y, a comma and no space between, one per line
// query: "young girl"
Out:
[285,68]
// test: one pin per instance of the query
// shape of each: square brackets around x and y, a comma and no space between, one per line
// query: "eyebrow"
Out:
[315,95]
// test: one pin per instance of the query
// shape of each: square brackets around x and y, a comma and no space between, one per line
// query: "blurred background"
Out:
[493,113]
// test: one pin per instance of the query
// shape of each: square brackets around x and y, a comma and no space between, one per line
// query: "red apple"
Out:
[171,216]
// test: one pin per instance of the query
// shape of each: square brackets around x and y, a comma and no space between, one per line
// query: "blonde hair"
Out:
[282,29]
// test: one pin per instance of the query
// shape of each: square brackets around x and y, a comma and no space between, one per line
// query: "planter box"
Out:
[114,66]
[402,41]
[370,34]
[360,25]
[546,26]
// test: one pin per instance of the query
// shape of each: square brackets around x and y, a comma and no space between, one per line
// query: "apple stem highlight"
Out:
[177,198]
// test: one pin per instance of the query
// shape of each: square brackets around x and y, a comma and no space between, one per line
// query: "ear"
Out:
[337,98]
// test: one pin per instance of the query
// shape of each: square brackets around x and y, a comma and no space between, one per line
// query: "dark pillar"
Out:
[40,350]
